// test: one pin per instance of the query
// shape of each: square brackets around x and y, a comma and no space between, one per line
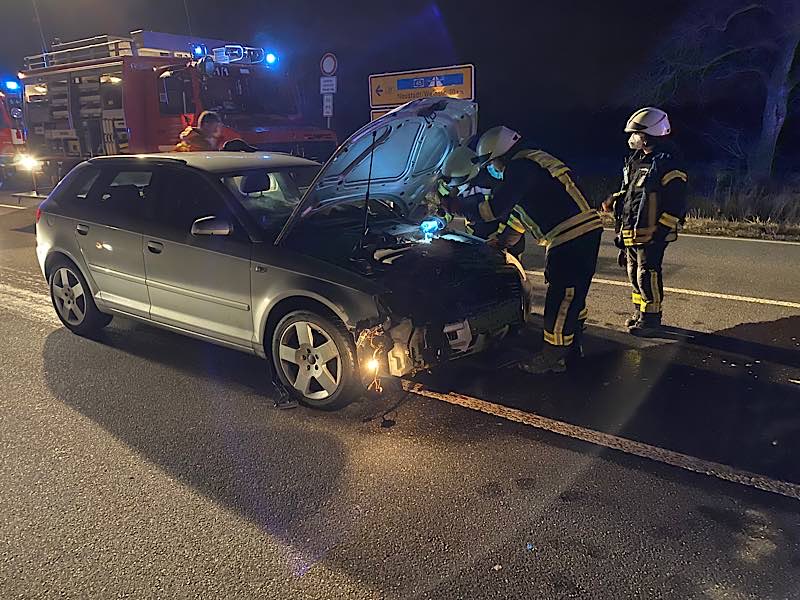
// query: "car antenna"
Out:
[366,196]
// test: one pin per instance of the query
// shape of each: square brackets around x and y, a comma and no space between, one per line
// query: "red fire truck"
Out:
[110,95]
[12,136]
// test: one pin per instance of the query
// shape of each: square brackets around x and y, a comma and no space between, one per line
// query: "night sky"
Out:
[544,68]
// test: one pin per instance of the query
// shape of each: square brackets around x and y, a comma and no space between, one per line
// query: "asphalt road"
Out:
[148,465]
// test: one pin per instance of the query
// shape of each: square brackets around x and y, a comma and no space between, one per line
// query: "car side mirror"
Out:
[211,226]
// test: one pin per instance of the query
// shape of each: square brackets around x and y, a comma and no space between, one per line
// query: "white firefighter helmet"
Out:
[496,142]
[649,120]
[460,166]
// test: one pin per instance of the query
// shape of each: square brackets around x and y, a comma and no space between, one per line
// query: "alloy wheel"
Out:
[69,296]
[310,360]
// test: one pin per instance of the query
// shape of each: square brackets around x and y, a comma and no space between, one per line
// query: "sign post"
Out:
[328,65]
[389,90]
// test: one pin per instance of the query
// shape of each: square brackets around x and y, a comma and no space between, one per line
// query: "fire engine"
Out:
[111,95]
[12,137]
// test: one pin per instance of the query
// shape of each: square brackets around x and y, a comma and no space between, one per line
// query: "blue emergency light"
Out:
[271,58]
[11,85]
[199,50]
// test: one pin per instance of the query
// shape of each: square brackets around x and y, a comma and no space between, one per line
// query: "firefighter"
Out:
[463,180]
[647,210]
[204,137]
[538,196]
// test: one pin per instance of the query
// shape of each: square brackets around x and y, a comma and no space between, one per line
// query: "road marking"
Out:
[14,206]
[28,304]
[727,237]
[619,283]
[613,442]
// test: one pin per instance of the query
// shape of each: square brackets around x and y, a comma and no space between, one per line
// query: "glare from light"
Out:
[198,50]
[271,58]
[27,162]
[373,365]
[11,85]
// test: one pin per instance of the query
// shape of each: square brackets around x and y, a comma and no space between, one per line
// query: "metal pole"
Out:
[41,31]
[188,20]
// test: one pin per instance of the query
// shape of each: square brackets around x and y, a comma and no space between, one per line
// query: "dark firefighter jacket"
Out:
[539,195]
[652,200]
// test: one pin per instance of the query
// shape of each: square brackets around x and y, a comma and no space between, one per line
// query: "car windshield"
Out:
[270,195]
[248,91]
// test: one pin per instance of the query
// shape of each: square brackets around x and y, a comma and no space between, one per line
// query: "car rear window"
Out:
[73,191]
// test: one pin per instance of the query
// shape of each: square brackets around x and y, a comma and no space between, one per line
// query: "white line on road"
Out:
[620,283]
[14,206]
[607,440]
[728,237]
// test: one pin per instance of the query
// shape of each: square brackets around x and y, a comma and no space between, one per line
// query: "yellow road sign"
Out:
[394,89]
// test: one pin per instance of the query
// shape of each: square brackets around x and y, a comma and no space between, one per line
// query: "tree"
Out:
[756,45]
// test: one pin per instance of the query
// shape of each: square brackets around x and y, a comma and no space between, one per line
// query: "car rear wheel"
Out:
[315,359]
[73,300]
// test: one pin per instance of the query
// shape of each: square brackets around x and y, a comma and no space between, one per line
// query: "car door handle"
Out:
[155,247]
[82,229]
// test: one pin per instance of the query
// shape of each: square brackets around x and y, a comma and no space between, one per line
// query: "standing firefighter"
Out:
[647,210]
[539,196]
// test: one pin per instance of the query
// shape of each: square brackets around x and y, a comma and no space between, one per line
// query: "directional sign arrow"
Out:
[379,90]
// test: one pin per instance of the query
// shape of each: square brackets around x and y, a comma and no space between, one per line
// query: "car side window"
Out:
[124,199]
[184,197]
[72,194]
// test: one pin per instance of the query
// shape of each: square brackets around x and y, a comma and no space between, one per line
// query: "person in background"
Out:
[647,210]
[204,137]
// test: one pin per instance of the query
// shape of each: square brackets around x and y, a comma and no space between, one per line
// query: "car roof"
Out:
[219,162]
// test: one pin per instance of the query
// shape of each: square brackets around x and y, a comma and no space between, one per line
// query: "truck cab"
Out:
[116,95]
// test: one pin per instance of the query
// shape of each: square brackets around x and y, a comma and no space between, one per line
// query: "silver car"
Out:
[325,271]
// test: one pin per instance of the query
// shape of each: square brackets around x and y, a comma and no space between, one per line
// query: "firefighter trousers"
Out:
[644,271]
[569,269]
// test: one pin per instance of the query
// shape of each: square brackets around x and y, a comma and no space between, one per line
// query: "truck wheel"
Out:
[316,360]
[73,300]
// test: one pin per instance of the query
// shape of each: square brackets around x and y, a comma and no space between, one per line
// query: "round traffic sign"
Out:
[328,64]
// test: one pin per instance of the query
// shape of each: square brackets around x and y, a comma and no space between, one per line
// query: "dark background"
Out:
[555,71]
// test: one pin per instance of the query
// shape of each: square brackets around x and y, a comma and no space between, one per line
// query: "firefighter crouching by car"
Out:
[539,196]
[461,181]
[206,136]
[647,210]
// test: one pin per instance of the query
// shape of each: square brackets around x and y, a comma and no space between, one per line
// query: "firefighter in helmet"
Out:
[206,136]
[539,196]
[463,180]
[647,210]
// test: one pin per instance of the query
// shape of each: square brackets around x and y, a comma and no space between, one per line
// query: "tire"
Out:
[72,300]
[315,358]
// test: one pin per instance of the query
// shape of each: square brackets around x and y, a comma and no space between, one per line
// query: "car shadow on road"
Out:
[726,397]
[199,413]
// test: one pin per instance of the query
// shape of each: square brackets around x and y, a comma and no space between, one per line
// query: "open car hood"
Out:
[411,144]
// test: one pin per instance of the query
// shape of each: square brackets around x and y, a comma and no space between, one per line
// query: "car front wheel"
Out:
[73,300]
[315,359]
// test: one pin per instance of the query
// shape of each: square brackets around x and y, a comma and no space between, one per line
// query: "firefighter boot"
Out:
[635,318]
[648,326]
[551,359]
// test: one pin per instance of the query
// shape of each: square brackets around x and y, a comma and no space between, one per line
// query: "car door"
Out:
[200,283]
[109,235]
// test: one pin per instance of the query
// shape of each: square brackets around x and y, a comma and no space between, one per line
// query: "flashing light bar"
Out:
[234,53]
[11,85]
